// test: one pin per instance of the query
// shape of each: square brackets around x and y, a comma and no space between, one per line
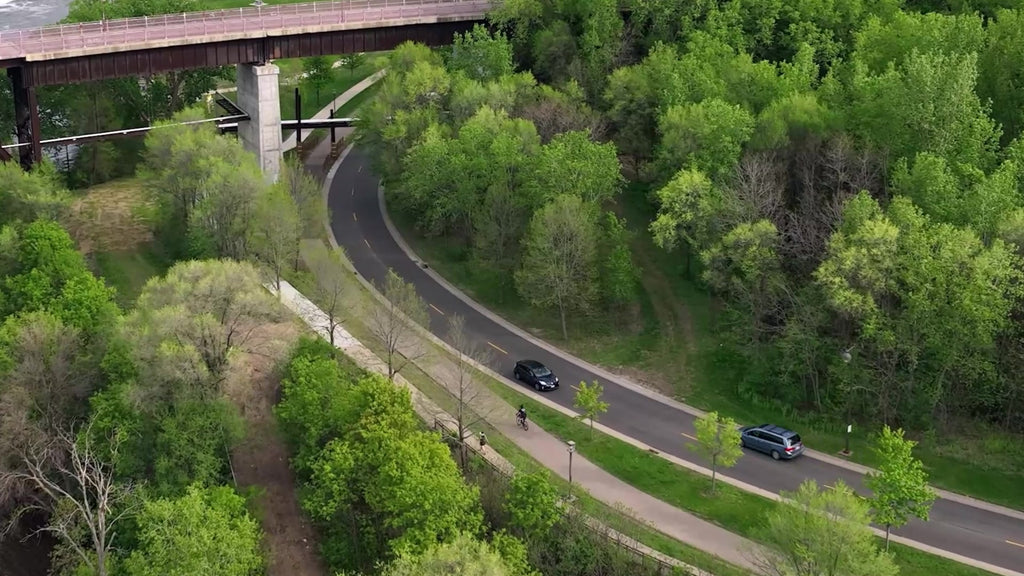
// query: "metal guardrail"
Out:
[251,20]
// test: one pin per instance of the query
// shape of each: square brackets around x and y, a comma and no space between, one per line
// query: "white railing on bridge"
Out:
[190,25]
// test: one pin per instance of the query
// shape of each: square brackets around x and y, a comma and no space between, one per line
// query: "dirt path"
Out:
[261,461]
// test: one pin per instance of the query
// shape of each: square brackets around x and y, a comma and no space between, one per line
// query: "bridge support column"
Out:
[26,117]
[261,134]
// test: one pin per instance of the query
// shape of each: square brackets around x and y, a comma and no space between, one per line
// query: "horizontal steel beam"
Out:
[224,124]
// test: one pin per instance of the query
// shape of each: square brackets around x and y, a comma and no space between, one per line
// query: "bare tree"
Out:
[331,281]
[79,493]
[390,323]
[469,411]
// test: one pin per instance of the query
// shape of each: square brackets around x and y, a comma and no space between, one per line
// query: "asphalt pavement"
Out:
[359,227]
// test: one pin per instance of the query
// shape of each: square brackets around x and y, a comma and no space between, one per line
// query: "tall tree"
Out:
[331,278]
[707,136]
[822,533]
[86,503]
[571,163]
[275,231]
[619,276]
[482,55]
[307,194]
[26,196]
[469,411]
[531,503]
[353,62]
[588,400]
[559,267]
[206,531]
[389,322]
[900,486]
[189,323]
[318,72]
[718,439]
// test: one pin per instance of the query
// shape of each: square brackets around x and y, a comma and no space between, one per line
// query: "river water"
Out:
[16,14]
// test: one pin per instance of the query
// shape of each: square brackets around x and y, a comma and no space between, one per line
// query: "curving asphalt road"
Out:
[977,533]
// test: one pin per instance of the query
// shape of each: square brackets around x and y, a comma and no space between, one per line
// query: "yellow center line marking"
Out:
[830,487]
[359,170]
[367,243]
[574,388]
[354,217]
[353,191]
[690,437]
[1012,543]
[496,347]
[438,309]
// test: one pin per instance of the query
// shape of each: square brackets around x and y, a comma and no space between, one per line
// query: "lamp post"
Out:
[846,356]
[571,448]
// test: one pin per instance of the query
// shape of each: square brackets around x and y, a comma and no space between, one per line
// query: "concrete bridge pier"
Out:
[261,134]
[26,117]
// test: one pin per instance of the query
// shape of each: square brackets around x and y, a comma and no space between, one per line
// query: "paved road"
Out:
[123,34]
[359,227]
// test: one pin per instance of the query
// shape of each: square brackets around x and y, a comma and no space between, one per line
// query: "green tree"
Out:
[619,276]
[588,400]
[318,72]
[188,324]
[691,209]
[927,104]
[464,555]
[707,136]
[532,505]
[745,266]
[571,163]
[353,62]
[192,443]
[718,439]
[900,487]
[275,231]
[559,264]
[316,400]
[1001,56]
[816,533]
[206,531]
[307,194]
[384,489]
[26,196]
[481,55]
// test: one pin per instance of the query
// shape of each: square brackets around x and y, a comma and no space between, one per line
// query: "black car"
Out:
[535,374]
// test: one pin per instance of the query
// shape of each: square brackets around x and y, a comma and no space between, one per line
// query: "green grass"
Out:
[128,271]
[225,4]
[731,508]
[672,341]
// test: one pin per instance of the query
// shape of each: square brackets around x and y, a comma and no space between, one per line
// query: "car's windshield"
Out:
[541,371]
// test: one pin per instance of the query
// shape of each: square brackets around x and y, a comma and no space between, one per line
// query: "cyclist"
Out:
[521,414]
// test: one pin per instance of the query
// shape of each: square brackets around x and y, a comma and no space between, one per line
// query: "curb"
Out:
[597,425]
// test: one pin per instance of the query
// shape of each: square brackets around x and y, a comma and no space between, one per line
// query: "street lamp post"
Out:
[571,448]
[846,356]
[849,429]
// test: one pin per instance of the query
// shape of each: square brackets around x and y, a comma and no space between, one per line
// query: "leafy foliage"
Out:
[900,487]
[718,439]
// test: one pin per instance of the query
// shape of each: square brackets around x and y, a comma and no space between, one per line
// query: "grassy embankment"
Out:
[669,342]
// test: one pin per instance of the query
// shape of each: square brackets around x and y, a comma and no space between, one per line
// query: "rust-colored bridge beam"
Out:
[26,116]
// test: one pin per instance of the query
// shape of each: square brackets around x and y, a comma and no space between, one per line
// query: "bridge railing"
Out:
[60,37]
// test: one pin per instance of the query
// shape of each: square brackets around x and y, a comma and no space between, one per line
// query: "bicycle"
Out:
[522,423]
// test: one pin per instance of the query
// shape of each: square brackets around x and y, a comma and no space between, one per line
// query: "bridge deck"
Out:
[122,35]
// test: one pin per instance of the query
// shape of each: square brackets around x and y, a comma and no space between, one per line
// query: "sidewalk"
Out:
[544,447]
